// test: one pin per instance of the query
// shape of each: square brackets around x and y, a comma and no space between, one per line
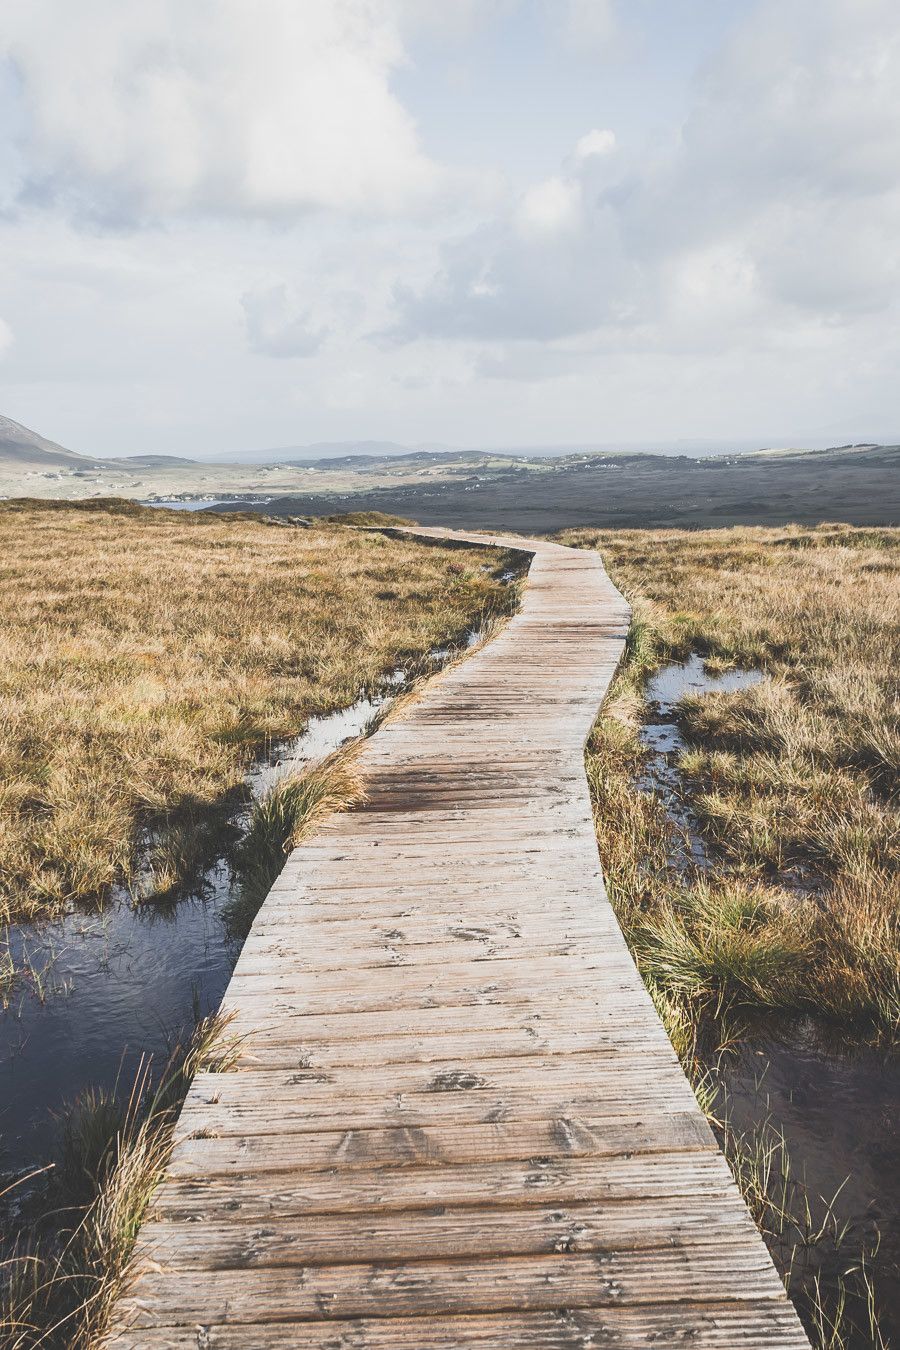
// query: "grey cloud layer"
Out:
[778,202]
[222,220]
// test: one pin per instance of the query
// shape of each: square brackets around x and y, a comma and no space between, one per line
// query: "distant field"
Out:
[533,494]
[856,487]
[145,656]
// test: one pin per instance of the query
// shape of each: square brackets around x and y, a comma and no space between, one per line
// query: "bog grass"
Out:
[60,1281]
[793,784]
[281,819]
[146,656]
[793,781]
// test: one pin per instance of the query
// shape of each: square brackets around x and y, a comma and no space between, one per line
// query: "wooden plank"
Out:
[739,1326]
[256,1196]
[448,1232]
[399,1145]
[457,1121]
[448,1288]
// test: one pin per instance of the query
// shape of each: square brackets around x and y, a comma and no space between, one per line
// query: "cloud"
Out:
[6,338]
[550,207]
[775,204]
[277,325]
[596,142]
[140,111]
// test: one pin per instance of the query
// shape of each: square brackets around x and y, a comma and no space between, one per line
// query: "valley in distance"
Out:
[528,492]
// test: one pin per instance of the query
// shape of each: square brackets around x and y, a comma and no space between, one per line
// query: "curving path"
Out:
[458,1122]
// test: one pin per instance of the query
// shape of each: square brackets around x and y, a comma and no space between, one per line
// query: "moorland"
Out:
[147,656]
[753,860]
[527,492]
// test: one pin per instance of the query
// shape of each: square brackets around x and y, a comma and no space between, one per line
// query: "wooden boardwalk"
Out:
[458,1121]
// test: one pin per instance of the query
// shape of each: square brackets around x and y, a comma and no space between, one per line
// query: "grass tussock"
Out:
[377,519]
[281,819]
[793,781]
[58,1287]
[146,656]
[723,945]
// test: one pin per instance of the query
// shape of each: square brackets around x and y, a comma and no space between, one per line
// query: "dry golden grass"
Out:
[793,779]
[146,656]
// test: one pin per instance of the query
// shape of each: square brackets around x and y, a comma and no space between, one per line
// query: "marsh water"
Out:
[662,739]
[100,990]
[837,1105]
[206,503]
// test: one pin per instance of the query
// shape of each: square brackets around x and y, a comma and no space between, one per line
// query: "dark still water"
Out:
[110,987]
[839,1112]
[113,986]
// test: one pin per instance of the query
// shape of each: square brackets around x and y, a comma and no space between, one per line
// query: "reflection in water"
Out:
[118,984]
[671,683]
[203,503]
[661,737]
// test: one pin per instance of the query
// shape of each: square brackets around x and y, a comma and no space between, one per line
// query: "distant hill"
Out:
[20,445]
[857,484]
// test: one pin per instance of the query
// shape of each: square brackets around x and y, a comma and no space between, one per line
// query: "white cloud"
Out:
[278,324]
[776,205]
[596,142]
[550,207]
[137,111]
[6,338]
[738,265]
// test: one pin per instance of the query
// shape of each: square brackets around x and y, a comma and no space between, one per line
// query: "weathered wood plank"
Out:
[738,1326]
[447,1288]
[257,1195]
[207,1155]
[447,1232]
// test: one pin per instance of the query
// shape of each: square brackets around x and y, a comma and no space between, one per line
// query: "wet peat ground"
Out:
[836,1104]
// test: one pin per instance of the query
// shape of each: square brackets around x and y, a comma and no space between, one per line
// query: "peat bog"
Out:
[95,980]
[772,951]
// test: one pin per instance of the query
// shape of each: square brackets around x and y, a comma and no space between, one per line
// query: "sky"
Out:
[242,224]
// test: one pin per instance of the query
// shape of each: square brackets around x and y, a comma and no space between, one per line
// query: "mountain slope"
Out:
[20,445]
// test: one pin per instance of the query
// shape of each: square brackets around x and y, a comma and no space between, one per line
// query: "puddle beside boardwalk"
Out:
[664,743]
[673,682]
[118,984]
[837,1105]
[121,983]
[838,1111]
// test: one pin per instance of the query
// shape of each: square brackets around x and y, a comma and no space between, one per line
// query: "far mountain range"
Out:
[541,489]
[20,445]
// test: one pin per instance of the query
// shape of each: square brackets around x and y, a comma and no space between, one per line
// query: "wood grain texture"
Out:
[458,1121]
